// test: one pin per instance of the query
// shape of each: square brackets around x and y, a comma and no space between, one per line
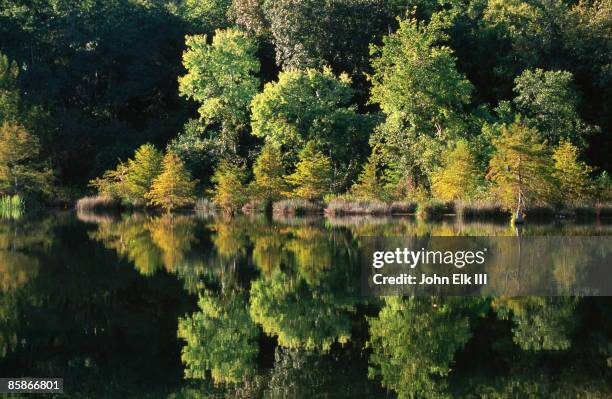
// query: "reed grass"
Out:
[339,207]
[11,207]
[434,209]
[296,207]
[98,202]
[204,205]
[481,210]
[403,208]
[254,206]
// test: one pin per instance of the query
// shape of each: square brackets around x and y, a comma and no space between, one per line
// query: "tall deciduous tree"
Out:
[312,178]
[311,105]
[204,15]
[222,77]
[459,177]
[571,173]
[549,103]
[315,33]
[9,89]
[422,94]
[522,168]
[174,187]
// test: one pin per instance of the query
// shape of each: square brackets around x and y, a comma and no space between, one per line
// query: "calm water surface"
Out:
[187,306]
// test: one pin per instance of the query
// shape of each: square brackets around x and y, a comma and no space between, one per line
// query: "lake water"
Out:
[194,306]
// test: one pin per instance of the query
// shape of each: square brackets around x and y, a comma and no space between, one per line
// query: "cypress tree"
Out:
[269,184]
[142,170]
[174,187]
[313,175]
[572,174]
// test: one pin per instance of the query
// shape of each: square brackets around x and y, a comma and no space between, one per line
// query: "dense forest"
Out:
[160,102]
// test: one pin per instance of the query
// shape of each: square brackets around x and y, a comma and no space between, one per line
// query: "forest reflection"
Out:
[295,281]
[279,311]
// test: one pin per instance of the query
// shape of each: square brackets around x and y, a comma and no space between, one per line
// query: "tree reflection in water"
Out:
[273,309]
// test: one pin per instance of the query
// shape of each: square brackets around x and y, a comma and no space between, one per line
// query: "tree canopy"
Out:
[420,91]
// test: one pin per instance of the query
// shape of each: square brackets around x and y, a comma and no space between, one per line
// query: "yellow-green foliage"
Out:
[141,171]
[11,207]
[9,89]
[269,183]
[458,179]
[174,187]
[522,164]
[229,192]
[112,183]
[369,186]
[20,172]
[313,175]
[572,174]
[222,77]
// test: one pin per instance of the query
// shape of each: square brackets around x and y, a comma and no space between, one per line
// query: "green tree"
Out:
[173,187]
[312,105]
[21,172]
[541,323]
[222,77]
[528,34]
[269,183]
[459,177]
[112,184]
[421,93]
[220,338]
[9,89]
[312,178]
[204,15]
[603,187]
[414,341]
[588,38]
[369,185]
[522,168]
[198,146]
[572,174]
[141,171]
[229,192]
[249,16]
[549,104]
[316,33]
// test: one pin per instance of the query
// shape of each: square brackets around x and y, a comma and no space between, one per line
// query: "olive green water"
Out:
[188,306]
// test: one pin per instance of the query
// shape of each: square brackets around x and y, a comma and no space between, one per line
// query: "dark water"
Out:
[187,306]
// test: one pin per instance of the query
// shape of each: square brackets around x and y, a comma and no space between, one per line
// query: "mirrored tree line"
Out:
[294,284]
